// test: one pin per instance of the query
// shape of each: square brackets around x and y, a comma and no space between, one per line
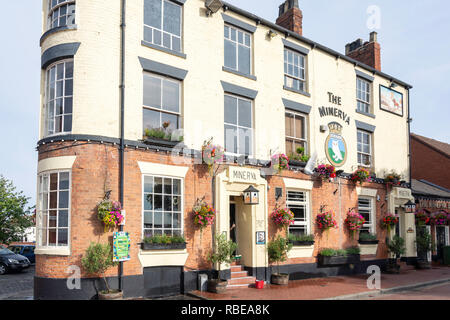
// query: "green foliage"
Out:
[224,251]
[161,133]
[104,208]
[98,259]
[14,216]
[367,237]
[424,241]
[164,239]
[339,252]
[302,238]
[299,155]
[278,249]
[397,246]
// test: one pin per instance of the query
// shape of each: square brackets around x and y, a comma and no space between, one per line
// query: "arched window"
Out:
[61,13]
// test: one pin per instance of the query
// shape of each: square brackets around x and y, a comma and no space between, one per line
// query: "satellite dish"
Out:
[309,168]
[213,6]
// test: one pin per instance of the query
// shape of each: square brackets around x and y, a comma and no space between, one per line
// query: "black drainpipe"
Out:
[122,125]
[409,141]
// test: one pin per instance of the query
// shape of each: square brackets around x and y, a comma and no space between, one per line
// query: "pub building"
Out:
[132,91]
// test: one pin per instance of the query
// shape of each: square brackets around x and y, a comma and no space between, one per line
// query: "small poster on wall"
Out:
[121,246]
[391,101]
[261,237]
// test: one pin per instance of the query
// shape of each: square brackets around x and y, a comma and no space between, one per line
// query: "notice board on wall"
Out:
[121,246]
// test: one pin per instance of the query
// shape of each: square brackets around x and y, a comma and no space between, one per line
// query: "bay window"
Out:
[59,97]
[53,209]
[61,13]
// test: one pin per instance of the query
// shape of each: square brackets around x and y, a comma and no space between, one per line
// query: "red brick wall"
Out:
[369,53]
[97,164]
[323,194]
[292,20]
[428,164]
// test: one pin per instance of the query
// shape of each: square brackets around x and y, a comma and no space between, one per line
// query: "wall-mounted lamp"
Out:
[271,34]
[212,6]
[323,128]
[251,196]
[410,207]
[393,84]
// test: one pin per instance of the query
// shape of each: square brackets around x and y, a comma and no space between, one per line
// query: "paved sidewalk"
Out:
[342,287]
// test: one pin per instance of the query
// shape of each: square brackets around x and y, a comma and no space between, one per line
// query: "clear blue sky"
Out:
[413,36]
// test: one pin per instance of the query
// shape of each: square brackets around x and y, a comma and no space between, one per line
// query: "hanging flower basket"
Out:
[282,217]
[110,213]
[280,162]
[389,221]
[392,179]
[204,215]
[422,218]
[326,171]
[212,154]
[354,222]
[360,176]
[326,221]
[440,218]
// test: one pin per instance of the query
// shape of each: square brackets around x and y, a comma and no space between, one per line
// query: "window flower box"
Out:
[338,260]
[296,163]
[163,246]
[161,142]
[368,242]
[302,243]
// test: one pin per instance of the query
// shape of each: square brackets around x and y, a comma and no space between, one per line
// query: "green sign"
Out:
[121,246]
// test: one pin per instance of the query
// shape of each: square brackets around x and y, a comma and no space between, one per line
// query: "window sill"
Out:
[63,251]
[365,113]
[163,49]
[55,30]
[162,143]
[245,75]
[297,91]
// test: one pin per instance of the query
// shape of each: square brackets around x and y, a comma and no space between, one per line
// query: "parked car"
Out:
[9,261]
[24,250]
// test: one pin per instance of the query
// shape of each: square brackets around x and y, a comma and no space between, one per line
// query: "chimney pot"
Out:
[290,16]
[368,52]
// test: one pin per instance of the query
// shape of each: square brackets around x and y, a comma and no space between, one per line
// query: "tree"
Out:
[14,217]
[224,252]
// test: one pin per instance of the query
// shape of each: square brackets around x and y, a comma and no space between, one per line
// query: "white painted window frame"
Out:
[363,88]
[237,43]
[161,111]
[370,154]
[306,203]
[301,67]
[63,97]
[40,211]
[162,194]
[372,213]
[296,139]
[237,126]
[57,9]
[172,35]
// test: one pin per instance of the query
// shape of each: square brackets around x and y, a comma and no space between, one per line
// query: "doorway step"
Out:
[239,277]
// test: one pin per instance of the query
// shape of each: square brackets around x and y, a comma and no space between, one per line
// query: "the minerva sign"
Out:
[243,175]
[333,111]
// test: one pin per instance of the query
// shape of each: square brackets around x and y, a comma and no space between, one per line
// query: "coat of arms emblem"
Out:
[335,146]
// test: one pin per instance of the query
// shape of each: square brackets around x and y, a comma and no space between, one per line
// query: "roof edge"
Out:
[313,44]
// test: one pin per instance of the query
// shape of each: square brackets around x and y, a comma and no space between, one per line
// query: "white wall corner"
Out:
[163,169]
[56,163]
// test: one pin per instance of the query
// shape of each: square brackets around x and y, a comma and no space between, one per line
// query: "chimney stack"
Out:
[291,17]
[368,53]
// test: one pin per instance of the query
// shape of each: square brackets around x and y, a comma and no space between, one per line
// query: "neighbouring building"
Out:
[430,186]
[115,70]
